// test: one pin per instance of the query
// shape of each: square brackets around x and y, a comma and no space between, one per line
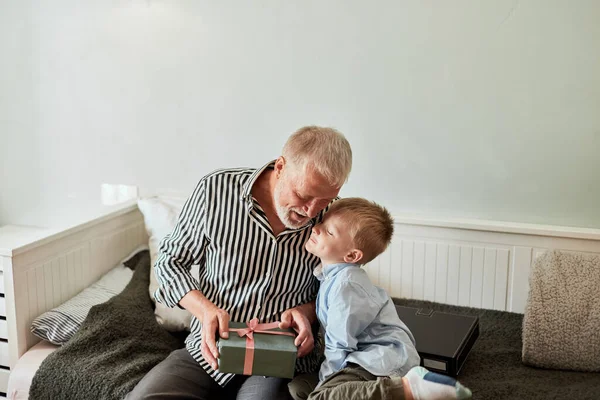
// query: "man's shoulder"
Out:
[228,176]
[239,171]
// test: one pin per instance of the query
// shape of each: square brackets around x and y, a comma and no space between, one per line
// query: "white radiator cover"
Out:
[483,265]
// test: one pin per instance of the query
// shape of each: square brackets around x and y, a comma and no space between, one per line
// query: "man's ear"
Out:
[279,166]
[353,256]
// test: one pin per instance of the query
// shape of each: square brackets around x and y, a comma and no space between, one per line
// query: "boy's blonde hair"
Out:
[325,150]
[371,226]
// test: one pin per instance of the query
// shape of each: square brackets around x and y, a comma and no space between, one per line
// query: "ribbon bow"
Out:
[254,327]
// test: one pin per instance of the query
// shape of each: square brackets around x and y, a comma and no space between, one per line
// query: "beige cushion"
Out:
[561,326]
[160,216]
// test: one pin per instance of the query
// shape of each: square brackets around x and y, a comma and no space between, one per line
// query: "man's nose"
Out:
[311,209]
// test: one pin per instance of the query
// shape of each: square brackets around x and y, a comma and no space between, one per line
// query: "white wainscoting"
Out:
[467,264]
[49,271]
[56,279]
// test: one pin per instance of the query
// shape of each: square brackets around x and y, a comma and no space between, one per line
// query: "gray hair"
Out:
[325,150]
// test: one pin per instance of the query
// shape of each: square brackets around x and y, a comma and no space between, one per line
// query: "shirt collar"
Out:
[247,188]
[330,270]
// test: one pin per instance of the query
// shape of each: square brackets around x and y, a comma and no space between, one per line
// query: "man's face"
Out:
[330,240]
[300,195]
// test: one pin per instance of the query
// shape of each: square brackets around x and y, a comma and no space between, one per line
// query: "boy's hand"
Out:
[299,318]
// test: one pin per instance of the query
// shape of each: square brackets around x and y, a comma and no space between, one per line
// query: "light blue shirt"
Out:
[361,325]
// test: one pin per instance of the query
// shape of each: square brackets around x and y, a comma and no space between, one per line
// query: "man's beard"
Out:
[284,213]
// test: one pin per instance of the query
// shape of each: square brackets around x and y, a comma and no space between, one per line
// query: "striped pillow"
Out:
[59,324]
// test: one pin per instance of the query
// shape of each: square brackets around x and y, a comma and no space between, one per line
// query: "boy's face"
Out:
[331,241]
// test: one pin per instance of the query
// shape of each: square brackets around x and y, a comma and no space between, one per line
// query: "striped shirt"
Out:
[244,268]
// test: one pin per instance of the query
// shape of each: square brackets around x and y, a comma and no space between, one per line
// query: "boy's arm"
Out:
[350,311]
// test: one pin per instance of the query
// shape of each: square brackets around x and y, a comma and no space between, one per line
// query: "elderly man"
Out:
[246,228]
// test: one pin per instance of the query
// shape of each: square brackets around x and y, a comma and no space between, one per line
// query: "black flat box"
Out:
[443,340]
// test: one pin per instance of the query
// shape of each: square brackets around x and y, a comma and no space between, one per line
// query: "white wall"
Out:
[455,108]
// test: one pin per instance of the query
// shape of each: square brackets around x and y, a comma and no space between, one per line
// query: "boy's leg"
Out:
[418,384]
[355,382]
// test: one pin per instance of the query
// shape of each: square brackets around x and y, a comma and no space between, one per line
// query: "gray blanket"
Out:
[117,344]
[494,371]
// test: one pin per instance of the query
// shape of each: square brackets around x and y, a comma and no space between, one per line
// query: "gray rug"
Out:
[494,369]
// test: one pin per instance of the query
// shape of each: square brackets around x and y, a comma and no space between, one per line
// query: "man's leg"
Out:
[179,376]
[260,387]
[303,385]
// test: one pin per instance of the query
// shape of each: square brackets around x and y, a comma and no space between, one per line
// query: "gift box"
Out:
[258,349]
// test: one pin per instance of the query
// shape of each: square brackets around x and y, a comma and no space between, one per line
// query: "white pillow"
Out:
[160,217]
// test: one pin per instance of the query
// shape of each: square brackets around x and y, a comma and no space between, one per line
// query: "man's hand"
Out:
[212,318]
[300,318]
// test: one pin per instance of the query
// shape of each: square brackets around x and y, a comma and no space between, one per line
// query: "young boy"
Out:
[369,351]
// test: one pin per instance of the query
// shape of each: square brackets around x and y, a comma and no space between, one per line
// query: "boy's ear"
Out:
[354,256]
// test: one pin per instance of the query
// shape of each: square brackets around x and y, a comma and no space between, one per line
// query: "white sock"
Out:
[426,385]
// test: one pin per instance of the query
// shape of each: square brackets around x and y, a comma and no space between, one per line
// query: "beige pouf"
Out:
[561,326]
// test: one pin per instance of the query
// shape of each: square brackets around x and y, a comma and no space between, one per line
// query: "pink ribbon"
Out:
[254,327]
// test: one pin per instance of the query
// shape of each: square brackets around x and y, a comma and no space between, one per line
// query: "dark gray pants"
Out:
[179,376]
